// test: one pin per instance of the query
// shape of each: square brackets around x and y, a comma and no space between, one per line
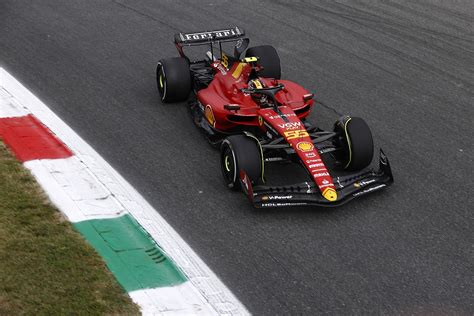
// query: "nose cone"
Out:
[330,194]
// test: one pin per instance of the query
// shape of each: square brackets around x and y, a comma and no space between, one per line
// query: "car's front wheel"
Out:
[241,152]
[355,141]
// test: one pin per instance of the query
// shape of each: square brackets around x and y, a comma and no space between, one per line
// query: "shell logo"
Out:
[305,146]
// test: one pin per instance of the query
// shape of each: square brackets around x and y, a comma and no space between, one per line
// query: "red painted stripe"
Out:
[29,139]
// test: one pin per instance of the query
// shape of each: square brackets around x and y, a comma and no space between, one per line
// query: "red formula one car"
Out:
[259,122]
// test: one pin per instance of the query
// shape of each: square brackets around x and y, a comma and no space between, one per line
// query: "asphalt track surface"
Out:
[407,67]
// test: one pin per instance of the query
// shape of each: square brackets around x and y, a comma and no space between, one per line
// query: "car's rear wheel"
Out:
[241,152]
[173,79]
[268,59]
[356,143]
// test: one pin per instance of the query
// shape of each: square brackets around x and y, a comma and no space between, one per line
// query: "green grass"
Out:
[46,267]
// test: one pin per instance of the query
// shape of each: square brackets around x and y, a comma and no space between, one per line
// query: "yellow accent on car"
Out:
[238,70]
[296,134]
[305,146]
[257,83]
[225,61]
[209,115]
[249,59]
[330,194]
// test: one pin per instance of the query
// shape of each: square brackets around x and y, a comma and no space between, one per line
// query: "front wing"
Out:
[306,193]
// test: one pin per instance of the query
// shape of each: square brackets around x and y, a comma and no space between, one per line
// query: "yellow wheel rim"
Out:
[227,163]
[161,80]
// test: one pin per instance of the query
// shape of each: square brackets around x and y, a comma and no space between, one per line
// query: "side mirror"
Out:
[308,97]
[240,47]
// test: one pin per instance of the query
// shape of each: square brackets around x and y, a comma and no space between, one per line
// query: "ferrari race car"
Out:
[259,122]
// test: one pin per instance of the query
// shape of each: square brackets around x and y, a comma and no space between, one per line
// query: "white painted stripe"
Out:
[9,106]
[213,294]
[74,189]
[158,301]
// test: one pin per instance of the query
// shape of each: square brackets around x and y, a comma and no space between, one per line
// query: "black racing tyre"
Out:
[241,152]
[355,140]
[268,59]
[173,79]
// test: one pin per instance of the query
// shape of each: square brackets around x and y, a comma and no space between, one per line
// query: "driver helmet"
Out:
[256,84]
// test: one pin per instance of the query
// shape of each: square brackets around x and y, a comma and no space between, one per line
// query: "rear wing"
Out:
[209,37]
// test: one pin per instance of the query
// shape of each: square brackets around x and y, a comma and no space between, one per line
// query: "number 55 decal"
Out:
[296,134]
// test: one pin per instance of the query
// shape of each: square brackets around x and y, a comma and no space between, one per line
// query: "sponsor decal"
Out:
[316,165]
[221,68]
[209,115]
[276,197]
[325,185]
[291,125]
[260,121]
[270,159]
[327,150]
[208,35]
[310,155]
[313,160]
[369,190]
[273,204]
[305,146]
[225,61]
[296,134]
[321,174]
[274,117]
[318,170]
[330,194]
[325,181]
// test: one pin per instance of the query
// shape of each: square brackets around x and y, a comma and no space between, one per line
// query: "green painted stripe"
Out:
[129,252]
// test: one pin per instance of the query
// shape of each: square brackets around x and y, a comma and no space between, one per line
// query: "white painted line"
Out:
[74,189]
[157,301]
[213,294]
[10,107]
